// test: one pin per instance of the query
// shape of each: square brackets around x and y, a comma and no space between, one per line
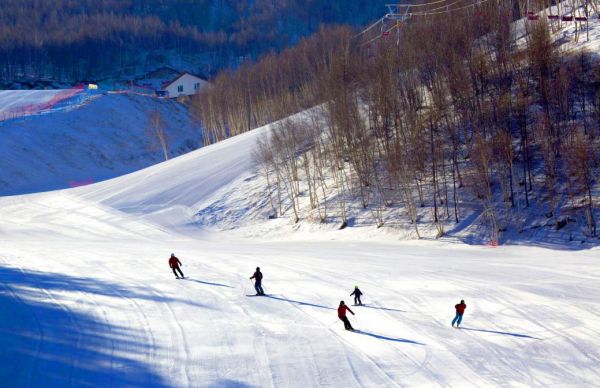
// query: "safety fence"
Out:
[36,108]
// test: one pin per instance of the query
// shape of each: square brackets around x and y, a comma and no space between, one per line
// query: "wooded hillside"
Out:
[454,112]
[79,40]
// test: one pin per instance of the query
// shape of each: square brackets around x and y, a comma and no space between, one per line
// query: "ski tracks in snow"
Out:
[344,338]
[288,339]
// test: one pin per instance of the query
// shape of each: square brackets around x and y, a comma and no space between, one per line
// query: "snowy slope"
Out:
[82,311]
[173,192]
[88,299]
[106,137]
[13,100]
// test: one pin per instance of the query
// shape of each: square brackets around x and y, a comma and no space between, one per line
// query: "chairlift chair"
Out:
[532,16]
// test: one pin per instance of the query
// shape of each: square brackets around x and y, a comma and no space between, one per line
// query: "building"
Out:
[185,84]
[157,77]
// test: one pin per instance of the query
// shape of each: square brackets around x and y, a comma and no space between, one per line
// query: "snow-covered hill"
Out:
[17,102]
[88,299]
[100,137]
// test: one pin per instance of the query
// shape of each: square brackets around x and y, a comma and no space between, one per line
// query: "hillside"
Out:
[95,40]
[89,139]
[488,131]
[19,103]
[88,298]
[374,178]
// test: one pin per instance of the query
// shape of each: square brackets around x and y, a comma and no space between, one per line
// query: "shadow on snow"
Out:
[299,302]
[33,280]
[382,337]
[380,308]
[502,333]
[207,283]
[46,343]
[227,383]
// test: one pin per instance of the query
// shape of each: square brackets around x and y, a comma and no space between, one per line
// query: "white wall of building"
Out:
[185,85]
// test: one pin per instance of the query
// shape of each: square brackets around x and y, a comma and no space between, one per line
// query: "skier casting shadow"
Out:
[342,315]
[357,294]
[174,263]
[460,310]
[258,282]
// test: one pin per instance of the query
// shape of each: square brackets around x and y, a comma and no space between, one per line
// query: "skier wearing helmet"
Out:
[357,294]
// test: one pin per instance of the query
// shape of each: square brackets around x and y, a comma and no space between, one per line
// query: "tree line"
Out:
[72,41]
[451,112]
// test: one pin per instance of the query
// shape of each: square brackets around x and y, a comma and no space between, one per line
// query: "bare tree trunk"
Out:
[158,127]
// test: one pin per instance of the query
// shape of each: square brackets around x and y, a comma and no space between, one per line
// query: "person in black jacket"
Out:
[357,293]
[257,281]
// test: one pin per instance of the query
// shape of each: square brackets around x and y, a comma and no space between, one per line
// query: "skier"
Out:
[357,293]
[460,310]
[174,263]
[342,315]
[257,281]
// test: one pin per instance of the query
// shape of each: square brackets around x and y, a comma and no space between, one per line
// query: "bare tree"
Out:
[158,126]
[263,155]
[582,160]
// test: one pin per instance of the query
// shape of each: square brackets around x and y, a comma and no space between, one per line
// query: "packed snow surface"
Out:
[88,299]
[88,139]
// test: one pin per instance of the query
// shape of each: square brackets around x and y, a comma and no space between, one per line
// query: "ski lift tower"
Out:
[382,28]
[398,12]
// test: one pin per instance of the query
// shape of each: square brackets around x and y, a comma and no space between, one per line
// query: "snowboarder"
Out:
[342,315]
[257,281]
[357,293]
[460,310]
[174,263]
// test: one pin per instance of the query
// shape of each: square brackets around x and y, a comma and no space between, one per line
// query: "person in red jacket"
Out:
[460,310]
[174,263]
[342,315]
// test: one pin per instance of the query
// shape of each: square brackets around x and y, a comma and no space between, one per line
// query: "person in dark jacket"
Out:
[460,310]
[342,315]
[258,281]
[174,263]
[357,293]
